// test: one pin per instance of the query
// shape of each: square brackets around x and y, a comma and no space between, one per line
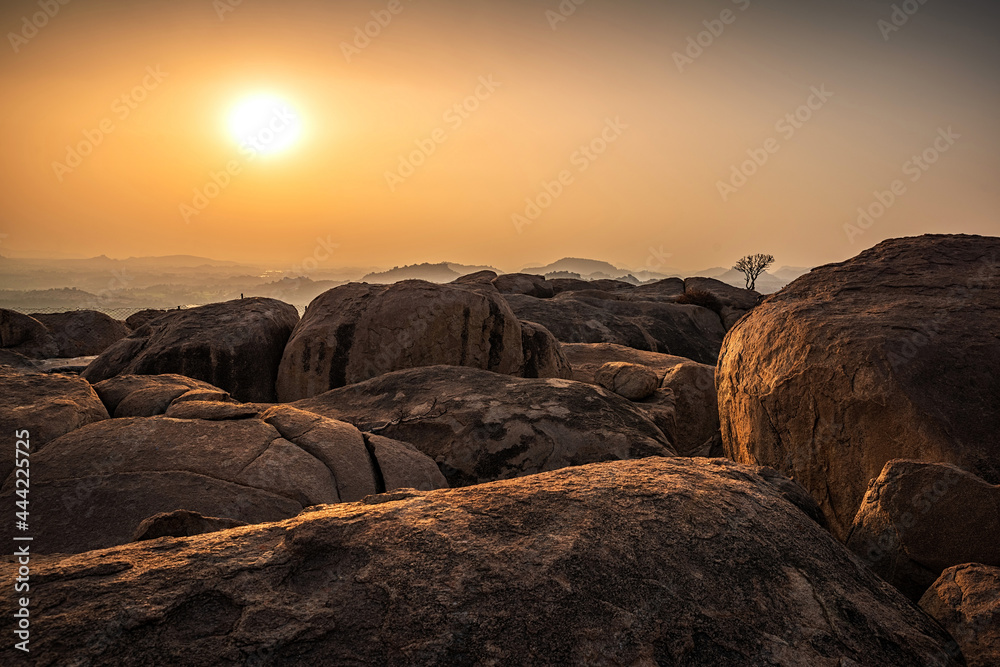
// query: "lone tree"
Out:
[752,266]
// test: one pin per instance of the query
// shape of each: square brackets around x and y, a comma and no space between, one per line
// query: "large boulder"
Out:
[236,345]
[181,523]
[358,331]
[919,518]
[659,561]
[891,354]
[671,328]
[26,336]
[93,487]
[144,317]
[965,600]
[82,333]
[480,426]
[47,406]
[543,355]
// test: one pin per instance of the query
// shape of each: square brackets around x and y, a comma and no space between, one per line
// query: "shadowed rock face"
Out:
[965,600]
[148,395]
[236,345]
[358,331]
[47,406]
[659,561]
[181,523]
[543,355]
[82,333]
[26,336]
[892,354]
[919,518]
[577,317]
[94,486]
[632,381]
[480,426]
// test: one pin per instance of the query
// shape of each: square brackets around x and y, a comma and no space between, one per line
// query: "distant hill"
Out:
[434,273]
[766,282]
[583,267]
[790,273]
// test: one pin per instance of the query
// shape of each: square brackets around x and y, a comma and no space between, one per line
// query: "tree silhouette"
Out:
[752,266]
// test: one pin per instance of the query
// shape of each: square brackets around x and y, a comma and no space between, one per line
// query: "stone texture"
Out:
[181,523]
[403,466]
[358,331]
[480,426]
[965,600]
[670,328]
[891,354]
[143,317]
[26,336]
[82,333]
[147,395]
[919,518]
[659,561]
[236,345]
[47,406]
[632,381]
[543,355]
[92,487]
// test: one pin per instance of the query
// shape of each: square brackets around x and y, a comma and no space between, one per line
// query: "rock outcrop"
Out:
[891,354]
[965,600]
[47,406]
[26,336]
[480,426]
[524,283]
[83,333]
[670,328]
[659,561]
[236,345]
[919,518]
[356,332]
[93,487]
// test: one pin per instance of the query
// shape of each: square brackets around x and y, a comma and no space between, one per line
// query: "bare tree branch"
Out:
[752,266]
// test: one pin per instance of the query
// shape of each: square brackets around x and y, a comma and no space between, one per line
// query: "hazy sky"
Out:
[655,187]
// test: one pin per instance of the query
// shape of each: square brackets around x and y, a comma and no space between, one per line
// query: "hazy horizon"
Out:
[533,87]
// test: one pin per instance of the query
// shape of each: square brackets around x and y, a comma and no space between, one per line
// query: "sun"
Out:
[265,123]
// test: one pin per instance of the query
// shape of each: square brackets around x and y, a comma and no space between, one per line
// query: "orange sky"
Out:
[654,186]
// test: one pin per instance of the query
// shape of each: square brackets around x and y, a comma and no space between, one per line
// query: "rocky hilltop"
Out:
[521,469]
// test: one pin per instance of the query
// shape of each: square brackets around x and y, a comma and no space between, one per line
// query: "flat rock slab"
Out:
[480,426]
[658,561]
